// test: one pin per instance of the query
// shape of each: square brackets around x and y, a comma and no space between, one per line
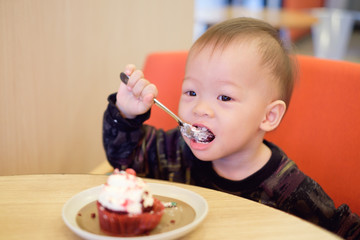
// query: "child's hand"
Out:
[137,96]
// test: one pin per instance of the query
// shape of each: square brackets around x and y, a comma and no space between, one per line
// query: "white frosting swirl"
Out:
[124,192]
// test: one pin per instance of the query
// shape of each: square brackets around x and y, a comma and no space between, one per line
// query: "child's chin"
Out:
[201,151]
[203,156]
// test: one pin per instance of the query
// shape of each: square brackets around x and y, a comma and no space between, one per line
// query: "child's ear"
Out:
[273,115]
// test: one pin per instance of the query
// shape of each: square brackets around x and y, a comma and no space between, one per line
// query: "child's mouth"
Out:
[202,134]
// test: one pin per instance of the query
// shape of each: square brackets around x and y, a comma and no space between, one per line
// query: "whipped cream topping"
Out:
[125,192]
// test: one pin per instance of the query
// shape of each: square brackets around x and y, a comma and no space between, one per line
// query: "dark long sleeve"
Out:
[151,152]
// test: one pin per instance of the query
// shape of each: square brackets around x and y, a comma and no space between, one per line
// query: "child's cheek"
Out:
[182,111]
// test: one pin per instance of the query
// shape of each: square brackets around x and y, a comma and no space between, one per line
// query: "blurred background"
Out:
[322,28]
[60,59]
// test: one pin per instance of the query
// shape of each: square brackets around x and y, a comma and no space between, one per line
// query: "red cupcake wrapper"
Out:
[128,225]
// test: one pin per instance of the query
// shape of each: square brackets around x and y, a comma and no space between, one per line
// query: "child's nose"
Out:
[203,108]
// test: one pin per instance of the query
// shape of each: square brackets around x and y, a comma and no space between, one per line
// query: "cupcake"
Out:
[126,207]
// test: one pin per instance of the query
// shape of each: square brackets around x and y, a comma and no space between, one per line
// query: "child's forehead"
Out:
[216,48]
[231,62]
[232,53]
[240,63]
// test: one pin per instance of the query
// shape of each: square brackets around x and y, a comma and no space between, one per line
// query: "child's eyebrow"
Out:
[229,82]
[220,82]
[190,78]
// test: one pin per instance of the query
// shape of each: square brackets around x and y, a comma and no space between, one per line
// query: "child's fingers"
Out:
[134,78]
[148,94]
[139,86]
[142,93]
[150,89]
[148,100]
[129,69]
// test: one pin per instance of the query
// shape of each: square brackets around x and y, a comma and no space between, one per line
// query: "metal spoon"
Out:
[198,134]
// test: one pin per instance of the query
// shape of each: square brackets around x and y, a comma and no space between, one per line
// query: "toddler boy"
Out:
[238,83]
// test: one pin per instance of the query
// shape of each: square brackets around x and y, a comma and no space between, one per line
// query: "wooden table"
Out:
[31,205]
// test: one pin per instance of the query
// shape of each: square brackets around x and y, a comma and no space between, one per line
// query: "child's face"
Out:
[226,91]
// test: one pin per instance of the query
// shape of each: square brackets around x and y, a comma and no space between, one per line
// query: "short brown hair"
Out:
[272,50]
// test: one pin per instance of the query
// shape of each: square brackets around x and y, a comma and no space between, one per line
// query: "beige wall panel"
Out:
[59,59]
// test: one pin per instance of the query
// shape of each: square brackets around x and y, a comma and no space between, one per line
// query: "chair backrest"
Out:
[166,70]
[320,131]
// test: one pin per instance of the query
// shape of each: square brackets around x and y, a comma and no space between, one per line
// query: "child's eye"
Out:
[224,98]
[191,93]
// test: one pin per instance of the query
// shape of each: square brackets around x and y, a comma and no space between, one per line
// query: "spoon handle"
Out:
[168,111]
[125,78]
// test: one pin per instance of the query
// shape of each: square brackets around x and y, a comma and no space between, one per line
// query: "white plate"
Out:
[197,202]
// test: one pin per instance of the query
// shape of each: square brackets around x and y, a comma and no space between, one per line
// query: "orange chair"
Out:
[166,70]
[320,131]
